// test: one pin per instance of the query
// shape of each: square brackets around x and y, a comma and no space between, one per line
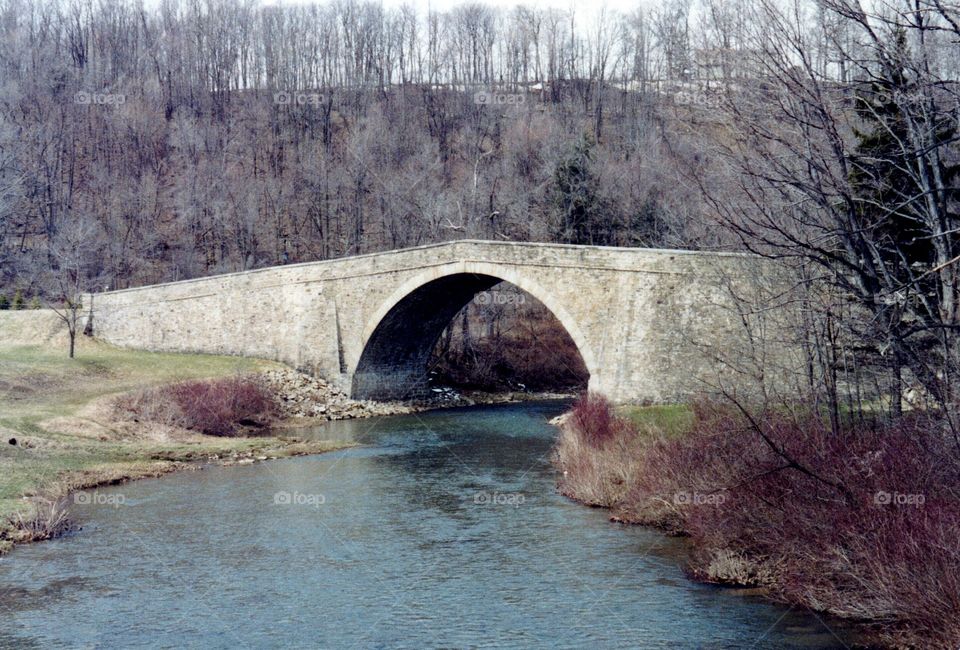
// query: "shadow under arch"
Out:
[400,336]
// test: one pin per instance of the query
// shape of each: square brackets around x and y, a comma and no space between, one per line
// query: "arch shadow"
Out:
[400,337]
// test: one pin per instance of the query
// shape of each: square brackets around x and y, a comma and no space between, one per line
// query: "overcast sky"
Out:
[582,8]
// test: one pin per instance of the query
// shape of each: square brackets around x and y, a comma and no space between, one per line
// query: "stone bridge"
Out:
[644,320]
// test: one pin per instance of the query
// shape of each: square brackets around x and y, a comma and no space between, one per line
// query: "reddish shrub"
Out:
[218,407]
[863,524]
[595,420]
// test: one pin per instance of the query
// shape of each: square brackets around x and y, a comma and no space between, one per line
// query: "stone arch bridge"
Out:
[644,320]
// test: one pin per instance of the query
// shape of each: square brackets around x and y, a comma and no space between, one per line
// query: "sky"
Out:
[580,6]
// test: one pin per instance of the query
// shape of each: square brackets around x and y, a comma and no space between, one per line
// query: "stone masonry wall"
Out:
[644,320]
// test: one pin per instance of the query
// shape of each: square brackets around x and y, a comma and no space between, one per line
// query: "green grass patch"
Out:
[670,420]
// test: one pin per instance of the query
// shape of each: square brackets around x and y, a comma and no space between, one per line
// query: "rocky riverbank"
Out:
[305,400]
[301,396]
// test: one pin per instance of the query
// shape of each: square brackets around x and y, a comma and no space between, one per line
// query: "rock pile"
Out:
[304,396]
[301,395]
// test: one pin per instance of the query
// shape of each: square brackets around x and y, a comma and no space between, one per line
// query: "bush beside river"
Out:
[863,524]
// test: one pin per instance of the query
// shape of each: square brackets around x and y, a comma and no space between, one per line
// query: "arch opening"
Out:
[412,335]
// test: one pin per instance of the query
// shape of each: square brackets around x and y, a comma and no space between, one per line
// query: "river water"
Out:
[444,530]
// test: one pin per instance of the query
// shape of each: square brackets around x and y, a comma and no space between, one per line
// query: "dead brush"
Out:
[597,453]
[47,518]
[862,524]
[217,407]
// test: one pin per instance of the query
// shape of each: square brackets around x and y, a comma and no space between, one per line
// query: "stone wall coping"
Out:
[617,250]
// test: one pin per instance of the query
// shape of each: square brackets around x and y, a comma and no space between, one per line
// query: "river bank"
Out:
[60,430]
[64,424]
[861,525]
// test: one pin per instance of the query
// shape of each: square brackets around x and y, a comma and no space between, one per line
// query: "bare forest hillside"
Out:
[198,138]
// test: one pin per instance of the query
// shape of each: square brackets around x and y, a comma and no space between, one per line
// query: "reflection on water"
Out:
[443,531]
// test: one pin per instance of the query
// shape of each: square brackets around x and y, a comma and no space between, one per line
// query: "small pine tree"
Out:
[891,204]
[35,303]
[647,226]
[4,302]
[18,301]
[583,217]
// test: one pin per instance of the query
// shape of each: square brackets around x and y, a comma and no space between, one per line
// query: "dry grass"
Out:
[591,475]
[46,518]
[728,566]
[597,467]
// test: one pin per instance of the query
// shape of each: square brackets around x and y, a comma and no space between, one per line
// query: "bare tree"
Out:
[72,264]
[857,185]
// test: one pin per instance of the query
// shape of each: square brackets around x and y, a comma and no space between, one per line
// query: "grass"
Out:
[669,420]
[601,448]
[48,406]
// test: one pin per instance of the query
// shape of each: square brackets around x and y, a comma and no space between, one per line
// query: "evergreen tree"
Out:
[891,205]
[900,147]
[577,199]
[647,226]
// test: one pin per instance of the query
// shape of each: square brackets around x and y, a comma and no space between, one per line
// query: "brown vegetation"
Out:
[47,518]
[349,127]
[217,407]
[821,134]
[863,524]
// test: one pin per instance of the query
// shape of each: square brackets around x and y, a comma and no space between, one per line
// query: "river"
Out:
[443,530]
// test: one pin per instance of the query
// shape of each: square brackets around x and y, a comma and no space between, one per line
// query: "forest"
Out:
[206,137]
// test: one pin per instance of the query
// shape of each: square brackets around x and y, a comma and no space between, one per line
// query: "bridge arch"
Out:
[399,336]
